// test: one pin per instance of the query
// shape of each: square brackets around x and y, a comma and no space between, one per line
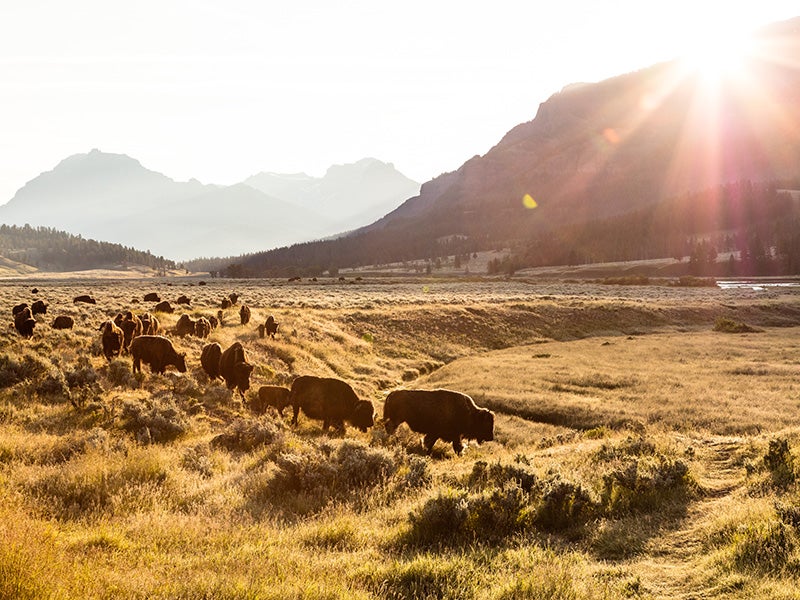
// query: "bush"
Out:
[761,546]
[426,576]
[245,434]
[29,367]
[725,325]
[642,486]
[563,505]
[780,463]
[155,421]
[484,475]
[632,446]
[119,373]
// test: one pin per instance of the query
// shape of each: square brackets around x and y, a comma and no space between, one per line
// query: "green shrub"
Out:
[119,373]
[644,485]
[563,505]
[247,434]
[484,475]
[780,462]
[764,546]
[726,325]
[14,370]
[157,420]
[424,577]
[631,446]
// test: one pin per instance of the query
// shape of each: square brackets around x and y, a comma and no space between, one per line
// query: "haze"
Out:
[198,89]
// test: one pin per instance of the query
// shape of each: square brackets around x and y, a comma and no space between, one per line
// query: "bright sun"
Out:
[719,55]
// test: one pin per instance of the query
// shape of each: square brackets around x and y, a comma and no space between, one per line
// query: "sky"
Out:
[219,91]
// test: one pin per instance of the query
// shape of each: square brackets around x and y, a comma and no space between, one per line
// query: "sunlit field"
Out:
[645,445]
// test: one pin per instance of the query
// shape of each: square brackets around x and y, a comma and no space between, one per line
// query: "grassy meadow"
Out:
[644,446]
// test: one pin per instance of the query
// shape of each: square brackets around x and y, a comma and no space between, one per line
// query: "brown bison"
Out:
[270,395]
[15,310]
[234,298]
[131,326]
[152,297]
[84,298]
[183,300]
[111,338]
[24,322]
[331,400]
[158,352]
[226,303]
[244,314]
[234,368]
[213,321]
[209,359]
[39,308]
[164,307]
[63,322]
[271,326]
[184,326]
[150,324]
[202,327]
[438,414]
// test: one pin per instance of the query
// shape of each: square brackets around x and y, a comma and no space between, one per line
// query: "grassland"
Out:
[638,452]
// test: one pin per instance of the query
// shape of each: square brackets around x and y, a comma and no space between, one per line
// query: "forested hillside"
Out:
[51,250]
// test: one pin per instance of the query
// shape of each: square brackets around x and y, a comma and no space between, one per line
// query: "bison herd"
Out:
[436,414]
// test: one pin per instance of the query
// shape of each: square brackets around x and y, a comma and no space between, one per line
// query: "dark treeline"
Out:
[52,250]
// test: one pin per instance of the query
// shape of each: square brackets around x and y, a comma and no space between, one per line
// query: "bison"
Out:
[234,298]
[271,326]
[111,338]
[234,368]
[15,310]
[270,395]
[150,324]
[158,352]
[39,307]
[183,299]
[152,297]
[131,326]
[164,307]
[331,400]
[202,327]
[213,321]
[438,414]
[84,298]
[209,359]
[24,322]
[63,322]
[184,326]
[244,314]
[226,303]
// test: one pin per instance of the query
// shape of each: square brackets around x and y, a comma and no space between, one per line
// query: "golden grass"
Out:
[119,486]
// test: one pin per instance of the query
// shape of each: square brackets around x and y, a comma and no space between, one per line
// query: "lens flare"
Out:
[528,201]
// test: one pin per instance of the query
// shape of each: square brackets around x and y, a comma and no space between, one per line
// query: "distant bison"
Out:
[202,327]
[24,322]
[271,326]
[39,307]
[184,326]
[152,297]
[150,324]
[331,400]
[244,314]
[438,414]
[226,303]
[84,298]
[63,322]
[183,300]
[111,338]
[270,395]
[164,307]
[209,359]
[234,368]
[214,321]
[158,352]
[15,310]
[234,298]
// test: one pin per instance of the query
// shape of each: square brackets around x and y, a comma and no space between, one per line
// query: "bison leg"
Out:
[429,441]
[390,426]
[137,365]
[295,412]
[458,446]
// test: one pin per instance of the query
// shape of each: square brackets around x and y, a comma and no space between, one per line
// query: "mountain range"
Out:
[113,197]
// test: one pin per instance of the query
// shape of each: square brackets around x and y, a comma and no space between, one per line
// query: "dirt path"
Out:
[675,566]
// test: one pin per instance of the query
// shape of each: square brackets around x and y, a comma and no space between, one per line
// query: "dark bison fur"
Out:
[111,338]
[234,368]
[214,321]
[150,324]
[226,303]
[19,308]
[209,359]
[234,298]
[244,314]
[270,395]
[202,327]
[164,307]
[24,322]
[184,326]
[131,326]
[152,297]
[331,400]
[158,352]
[84,298]
[183,300]
[271,326]
[439,414]
[63,322]
[39,307]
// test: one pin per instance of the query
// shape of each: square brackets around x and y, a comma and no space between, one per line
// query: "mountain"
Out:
[595,153]
[349,195]
[113,197]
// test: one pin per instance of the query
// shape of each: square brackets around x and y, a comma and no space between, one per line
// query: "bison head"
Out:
[363,415]
[180,363]
[241,375]
[484,425]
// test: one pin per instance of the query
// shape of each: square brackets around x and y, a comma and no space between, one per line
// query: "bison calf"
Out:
[438,414]
[156,351]
[63,322]
[270,395]
[331,400]
[209,359]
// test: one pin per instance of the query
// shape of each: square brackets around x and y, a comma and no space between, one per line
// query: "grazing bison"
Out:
[244,314]
[270,395]
[18,308]
[112,339]
[438,414]
[202,327]
[152,297]
[150,324]
[226,303]
[24,322]
[331,400]
[131,326]
[271,326]
[214,321]
[183,300]
[84,298]
[63,322]
[184,326]
[234,298]
[158,352]
[209,360]
[234,368]
[39,307]
[164,307]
